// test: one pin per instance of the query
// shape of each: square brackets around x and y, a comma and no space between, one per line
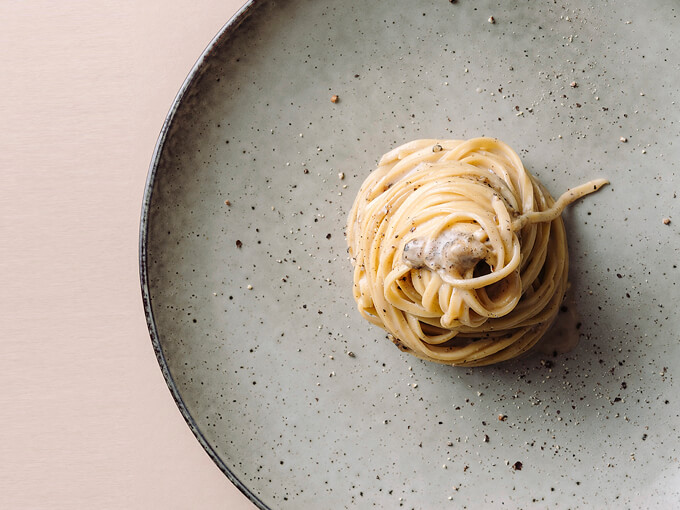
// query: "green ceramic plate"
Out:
[249,304]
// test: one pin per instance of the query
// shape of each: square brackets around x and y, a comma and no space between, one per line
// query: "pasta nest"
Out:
[458,251]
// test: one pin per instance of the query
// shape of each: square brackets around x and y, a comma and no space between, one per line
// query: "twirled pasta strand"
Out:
[458,251]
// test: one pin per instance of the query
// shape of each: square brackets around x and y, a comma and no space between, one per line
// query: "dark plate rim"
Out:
[228,29]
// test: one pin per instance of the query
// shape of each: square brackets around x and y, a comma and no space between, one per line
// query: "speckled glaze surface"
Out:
[250,305]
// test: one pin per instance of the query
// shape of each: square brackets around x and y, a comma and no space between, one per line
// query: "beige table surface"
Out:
[87,420]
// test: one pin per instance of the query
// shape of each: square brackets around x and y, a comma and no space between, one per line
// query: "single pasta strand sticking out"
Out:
[458,252]
[568,197]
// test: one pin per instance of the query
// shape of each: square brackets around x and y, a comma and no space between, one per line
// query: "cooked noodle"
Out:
[458,252]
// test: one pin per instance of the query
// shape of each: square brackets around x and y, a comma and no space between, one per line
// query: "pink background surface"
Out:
[87,420]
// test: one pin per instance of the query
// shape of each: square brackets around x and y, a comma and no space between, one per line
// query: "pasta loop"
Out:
[458,252]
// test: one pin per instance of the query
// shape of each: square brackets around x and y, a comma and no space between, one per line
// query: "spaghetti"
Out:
[458,252]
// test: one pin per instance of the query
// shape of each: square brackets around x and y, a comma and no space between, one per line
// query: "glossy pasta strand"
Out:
[458,251]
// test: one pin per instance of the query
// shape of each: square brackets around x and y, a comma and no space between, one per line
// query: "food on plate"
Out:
[459,252]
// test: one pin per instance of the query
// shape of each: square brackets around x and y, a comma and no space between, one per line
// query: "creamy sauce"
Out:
[456,250]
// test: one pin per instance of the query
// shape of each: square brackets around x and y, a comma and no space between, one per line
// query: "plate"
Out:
[247,283]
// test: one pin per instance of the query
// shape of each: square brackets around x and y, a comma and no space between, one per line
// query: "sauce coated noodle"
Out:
[458,252]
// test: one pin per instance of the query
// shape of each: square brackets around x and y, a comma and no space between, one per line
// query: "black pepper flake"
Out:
[239,244]
[619,275]
[517,466]
[328,236]
[486,438]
